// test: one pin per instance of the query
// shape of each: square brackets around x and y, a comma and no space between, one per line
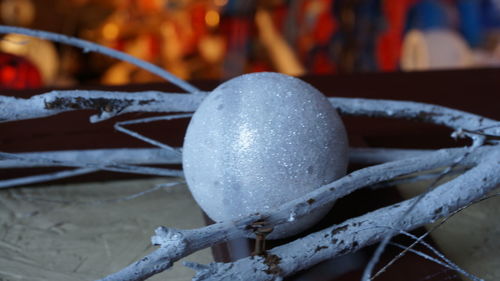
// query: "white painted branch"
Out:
[109,104]
[125,160]
[158,156]
[300,254]
[45,177]
[361,231]
[114,167]
[190,241]
[429,113]
[128,156]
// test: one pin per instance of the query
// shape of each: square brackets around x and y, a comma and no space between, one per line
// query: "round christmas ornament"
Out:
[261,140]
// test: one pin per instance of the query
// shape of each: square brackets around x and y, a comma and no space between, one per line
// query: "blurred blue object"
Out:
[429,14]
[470,21]
[490,10]
[370,23]
[239,8]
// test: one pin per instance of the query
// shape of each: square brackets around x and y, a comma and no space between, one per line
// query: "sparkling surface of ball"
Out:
[260,140]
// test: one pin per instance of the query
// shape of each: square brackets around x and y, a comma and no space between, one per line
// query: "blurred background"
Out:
[218,39]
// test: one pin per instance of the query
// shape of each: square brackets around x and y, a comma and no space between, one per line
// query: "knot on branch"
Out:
[478,139]
[272,262]
[252,222]
[97,103]
[255,226]
[169,237]
[478,136]
[300,210]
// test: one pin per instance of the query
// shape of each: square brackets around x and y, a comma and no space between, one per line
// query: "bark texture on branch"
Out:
[111,104]
[128,156]
[224,231]
[361,231]
[193,240]
[155,156]
[429,113]
[300,254]
[24,159]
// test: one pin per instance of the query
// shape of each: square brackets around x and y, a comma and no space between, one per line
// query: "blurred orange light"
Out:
[212,18]
[110,31]
[220,3]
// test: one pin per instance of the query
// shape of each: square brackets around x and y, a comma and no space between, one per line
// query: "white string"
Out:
[451,264]
[367,273]
[423,255]
[98,202]
[119,127]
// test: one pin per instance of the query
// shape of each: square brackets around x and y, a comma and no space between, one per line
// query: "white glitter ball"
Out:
[260,140]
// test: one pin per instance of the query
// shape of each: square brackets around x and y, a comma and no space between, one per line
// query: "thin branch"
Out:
[189,241]
[121,168]
[119,127]
[445,260]
[135,195]
[113,167]
[427,257]
[359,232]
[105,201]
[45,177]
[93,47]
[489,137]
[127,156]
